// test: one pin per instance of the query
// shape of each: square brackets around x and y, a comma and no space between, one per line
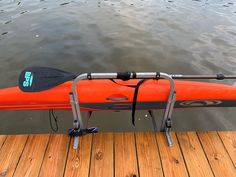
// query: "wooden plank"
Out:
[171,157]
[229,140]
[125,155]
[78,161]
[217,155]
[148,156]
[194,155]
[10,153]
[2,139]
[55,157]
[102,155]
[32,157]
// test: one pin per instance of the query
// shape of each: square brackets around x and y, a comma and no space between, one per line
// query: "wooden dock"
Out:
[143,154]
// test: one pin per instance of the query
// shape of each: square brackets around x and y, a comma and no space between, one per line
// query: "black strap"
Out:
[136,87]
[135,99]
[132,86]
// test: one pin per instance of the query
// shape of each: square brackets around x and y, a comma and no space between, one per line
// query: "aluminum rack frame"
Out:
[74,100]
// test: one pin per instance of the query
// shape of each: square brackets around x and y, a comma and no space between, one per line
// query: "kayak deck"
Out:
[97,95]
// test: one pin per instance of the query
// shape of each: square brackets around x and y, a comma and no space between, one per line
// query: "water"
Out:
[187,37]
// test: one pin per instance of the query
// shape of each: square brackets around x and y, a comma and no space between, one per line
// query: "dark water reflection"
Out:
[188,37]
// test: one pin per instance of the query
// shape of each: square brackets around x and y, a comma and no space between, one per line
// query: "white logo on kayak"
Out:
[201,103]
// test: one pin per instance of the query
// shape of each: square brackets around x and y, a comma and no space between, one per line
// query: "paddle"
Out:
[35,79]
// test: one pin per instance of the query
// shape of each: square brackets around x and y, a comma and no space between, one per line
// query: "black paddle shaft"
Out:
[214,76]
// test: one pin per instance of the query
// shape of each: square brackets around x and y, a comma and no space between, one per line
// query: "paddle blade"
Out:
[35,79]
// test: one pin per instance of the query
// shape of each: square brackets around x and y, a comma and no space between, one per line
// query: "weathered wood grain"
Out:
[2,140]
[32,156]
[102,161]
[119,154]
[171,157]
[10,153]
[55,157]
[219,159]
[194,156]
[125,155]
[78,160]
[229,140]
[148,155]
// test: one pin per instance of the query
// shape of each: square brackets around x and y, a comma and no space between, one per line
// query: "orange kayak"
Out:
[100,95]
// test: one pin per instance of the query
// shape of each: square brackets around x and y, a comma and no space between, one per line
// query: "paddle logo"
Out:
[28,79]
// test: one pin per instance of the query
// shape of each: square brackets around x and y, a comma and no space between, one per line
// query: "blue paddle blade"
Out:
[35,79]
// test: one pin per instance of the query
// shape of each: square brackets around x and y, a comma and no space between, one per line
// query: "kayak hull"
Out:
[100,95]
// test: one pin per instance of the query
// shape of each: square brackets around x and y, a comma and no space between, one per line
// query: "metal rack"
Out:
[78,126]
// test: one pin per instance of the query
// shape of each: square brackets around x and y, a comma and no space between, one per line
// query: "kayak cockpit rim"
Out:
[166,120]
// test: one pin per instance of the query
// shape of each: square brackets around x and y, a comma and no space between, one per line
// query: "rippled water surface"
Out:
[184,36]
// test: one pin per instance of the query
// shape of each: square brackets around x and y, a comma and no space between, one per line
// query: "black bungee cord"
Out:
[52,115]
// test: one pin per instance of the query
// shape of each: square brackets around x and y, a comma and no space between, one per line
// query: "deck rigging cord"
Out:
[55,118]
